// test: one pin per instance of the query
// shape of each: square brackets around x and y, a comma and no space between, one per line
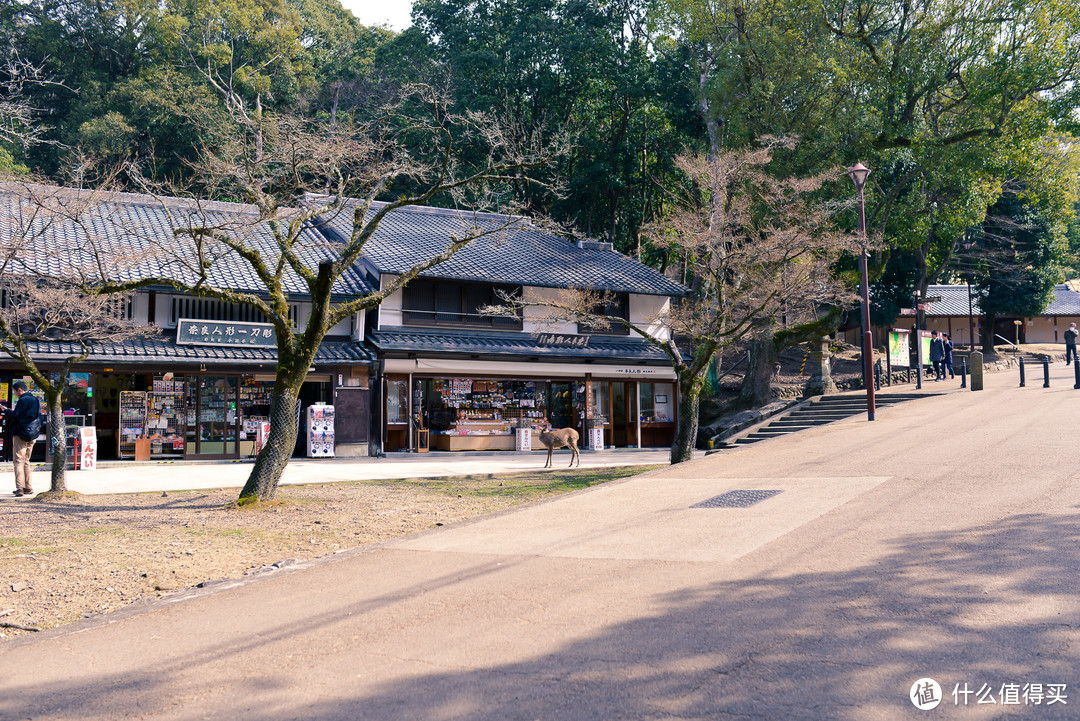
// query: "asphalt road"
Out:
[941,541]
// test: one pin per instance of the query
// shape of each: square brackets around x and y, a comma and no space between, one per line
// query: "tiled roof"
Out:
[162,348]
[954,301]
[493,343]
[1066,302]
[139,235]
[523,254]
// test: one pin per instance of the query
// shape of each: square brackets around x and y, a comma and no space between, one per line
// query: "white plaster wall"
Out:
[645,311]
[534,321]
[390,309]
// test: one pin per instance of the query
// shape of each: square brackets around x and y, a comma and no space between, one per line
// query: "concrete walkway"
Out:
[941,540]
[145,477]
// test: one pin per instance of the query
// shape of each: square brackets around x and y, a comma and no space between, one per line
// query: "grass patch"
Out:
[528,485]
[101,531]
[224,532]
[251,503]
[58,496]
[13,542]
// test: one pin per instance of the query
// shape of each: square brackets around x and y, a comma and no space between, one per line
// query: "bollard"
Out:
[1046,372]
[1076,367]
[976,371]
[1022,384]
[963,373]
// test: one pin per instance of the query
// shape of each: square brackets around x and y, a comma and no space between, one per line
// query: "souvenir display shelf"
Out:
[165,422]
[483,415]
[132,422]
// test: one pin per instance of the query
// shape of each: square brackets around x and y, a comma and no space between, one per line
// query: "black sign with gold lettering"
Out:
[558,340]
[219,332]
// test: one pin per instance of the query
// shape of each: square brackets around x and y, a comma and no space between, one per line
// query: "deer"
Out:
[567,437]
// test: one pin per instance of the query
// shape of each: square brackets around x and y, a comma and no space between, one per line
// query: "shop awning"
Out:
[490,344]
[159,349]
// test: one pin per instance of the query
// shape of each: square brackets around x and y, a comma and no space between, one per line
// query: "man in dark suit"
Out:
[25,420]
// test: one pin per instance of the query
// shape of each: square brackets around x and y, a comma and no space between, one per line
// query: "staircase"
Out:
[825,410]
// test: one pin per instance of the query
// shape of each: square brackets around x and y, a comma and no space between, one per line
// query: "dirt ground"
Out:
[63,560]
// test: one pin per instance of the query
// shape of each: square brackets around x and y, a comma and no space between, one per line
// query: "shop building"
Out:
[199,386]
[453,378]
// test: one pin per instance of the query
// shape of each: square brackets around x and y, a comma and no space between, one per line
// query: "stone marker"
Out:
[976,370]
[821,382]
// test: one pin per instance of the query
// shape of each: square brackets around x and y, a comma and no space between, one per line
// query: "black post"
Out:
[1076,368]
[1046,372]
[963,373]
[1022,372]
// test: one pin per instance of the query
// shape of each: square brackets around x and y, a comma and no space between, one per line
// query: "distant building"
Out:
[950,314]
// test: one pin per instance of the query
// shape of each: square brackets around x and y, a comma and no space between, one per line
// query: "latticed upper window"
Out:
[213,309]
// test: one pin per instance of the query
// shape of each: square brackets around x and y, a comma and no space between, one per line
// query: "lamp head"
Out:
[858,174]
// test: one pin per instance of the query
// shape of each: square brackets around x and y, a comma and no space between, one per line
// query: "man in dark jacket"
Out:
[1070,343]
[937,355]
[25,422]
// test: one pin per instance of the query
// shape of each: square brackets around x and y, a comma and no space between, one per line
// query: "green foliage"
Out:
[1019,246]
[8,164]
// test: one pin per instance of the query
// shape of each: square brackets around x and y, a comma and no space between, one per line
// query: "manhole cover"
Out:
[736,499]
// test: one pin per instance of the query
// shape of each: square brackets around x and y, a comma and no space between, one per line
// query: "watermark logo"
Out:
[925,694]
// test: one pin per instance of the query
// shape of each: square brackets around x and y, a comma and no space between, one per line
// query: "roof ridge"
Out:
[430,210]
[133,199]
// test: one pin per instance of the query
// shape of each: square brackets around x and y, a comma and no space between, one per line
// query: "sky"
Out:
[394,13]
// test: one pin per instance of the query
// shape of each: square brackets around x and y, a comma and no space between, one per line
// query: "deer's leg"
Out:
[551,449]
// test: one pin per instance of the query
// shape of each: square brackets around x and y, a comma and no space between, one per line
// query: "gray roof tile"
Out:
[954,301]
[162,348]
[492,343]
[521,255]
[138,231]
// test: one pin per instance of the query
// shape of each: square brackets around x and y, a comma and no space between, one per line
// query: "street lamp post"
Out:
[858,176]
[970,277]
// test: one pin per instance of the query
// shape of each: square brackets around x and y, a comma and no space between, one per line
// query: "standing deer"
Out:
[567,437]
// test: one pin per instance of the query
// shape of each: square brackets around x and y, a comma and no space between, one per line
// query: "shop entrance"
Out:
[561,412]
[215,431]
[623,414]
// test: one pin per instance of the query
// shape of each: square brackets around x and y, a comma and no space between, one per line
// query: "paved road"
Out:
[942,540]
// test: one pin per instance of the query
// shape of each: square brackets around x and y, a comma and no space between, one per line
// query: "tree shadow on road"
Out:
[989,605]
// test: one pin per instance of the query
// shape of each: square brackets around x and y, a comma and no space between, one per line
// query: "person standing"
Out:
[1070,343]
[25,420]
[937,355]
[946,361]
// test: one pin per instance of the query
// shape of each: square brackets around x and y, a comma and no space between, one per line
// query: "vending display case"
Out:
[320,431]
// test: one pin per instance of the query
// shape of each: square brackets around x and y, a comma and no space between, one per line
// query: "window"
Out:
[657,402]
[211,309]
[452,303]
[618,306]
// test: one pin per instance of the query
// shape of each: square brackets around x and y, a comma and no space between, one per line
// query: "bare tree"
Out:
[19,117]
[750,248]
[418,150]
[47,323]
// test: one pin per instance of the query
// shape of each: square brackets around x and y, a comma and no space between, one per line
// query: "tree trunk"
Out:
[989,319]
[765,350]
[757,383]
[682,448]
[57,442]
[265,476]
